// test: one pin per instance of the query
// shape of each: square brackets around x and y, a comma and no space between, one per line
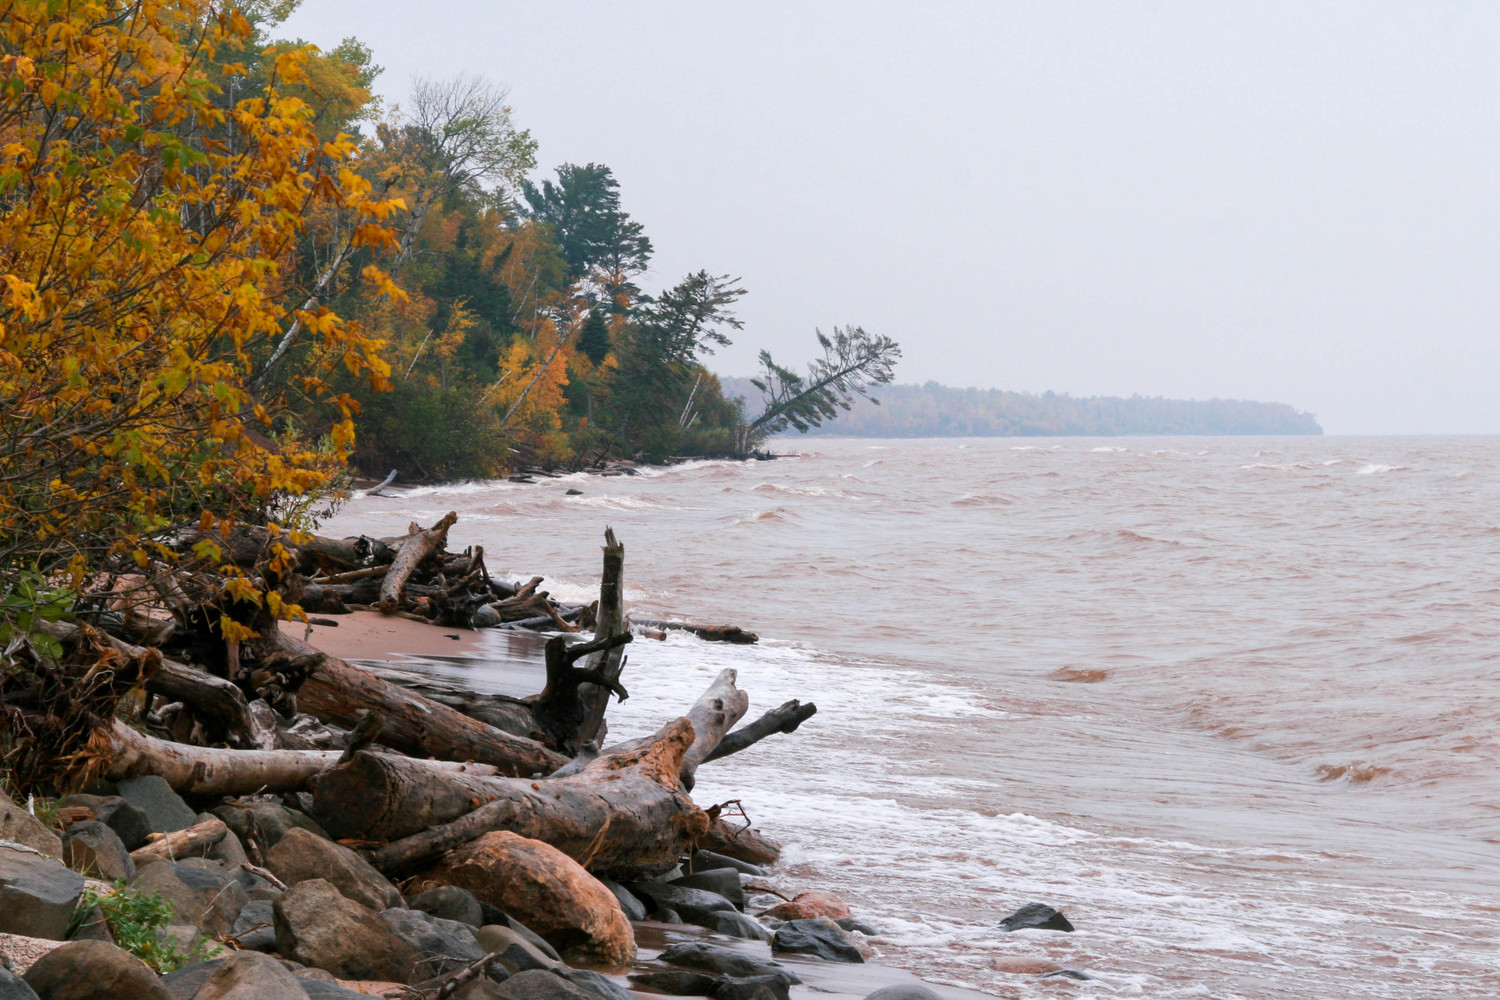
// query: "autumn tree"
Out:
[147,234]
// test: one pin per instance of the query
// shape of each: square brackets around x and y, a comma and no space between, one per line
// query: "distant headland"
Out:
[933,410]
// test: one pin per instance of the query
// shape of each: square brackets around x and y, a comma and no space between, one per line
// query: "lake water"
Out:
[1233,705]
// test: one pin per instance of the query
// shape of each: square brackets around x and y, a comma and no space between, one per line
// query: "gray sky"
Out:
[1292,202]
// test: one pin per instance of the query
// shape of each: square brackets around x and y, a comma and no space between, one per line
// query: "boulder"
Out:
[92,926]
[850,924]
[666,915]
[442,946]
[226,849]
[696,906]
[255,927]
[317,926]
[563,902]
[18,952]
[811,905]
[630,905]
[255,887]
[1073,974]
[128,821]
[708,860]
[538,984]
[724,961]
[13,987]
[904,991]
[165,811]
[249,975]
[265,822]
[1036,916]
[599,985]
[301,855]
[451,903]
[183,984]
[201,896]
[722,881]
[37,894]
[750,988]
[517,953]
[820,937]
[94,970]
[676,982]
[20,827]
[738,925]
[93,849]
[316,989]
[495,915]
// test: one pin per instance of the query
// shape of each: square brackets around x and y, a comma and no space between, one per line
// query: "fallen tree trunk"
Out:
[709,633]
[785,719]
[340,693]
[411,551]
[625,812]
[194,770]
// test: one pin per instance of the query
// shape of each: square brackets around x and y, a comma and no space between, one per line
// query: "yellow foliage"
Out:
[145,228]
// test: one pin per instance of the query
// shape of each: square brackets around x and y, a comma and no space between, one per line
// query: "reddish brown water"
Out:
[1231,704]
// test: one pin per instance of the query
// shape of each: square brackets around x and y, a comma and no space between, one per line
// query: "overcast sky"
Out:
[1292,202]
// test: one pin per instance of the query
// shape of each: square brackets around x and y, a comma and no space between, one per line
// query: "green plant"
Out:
[138,921]
[28,602]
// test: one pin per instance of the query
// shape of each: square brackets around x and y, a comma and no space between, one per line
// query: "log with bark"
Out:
[419,545]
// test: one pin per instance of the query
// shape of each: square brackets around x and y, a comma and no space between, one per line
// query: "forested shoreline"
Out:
[933,410]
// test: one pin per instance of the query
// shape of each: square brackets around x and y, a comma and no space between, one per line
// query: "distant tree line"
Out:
[933,410]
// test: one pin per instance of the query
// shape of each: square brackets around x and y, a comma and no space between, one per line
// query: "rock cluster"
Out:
[315,921]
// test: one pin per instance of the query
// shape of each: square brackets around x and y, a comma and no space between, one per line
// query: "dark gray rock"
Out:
[165,811]
[92,927]
[676,982]
[720,881]
[853,924]
[183,984]
[516,951]
[316,989]
[255,927]
[301,855]
[708,860]
[201,893]
[13,987]
[317,926]
[904,991]
[696,906]
[633,907]
[93,849]
[724,961]
[93,970]
[538,984]
[1066,974]
[750,988]
[495,915]
[255,887]
[249,975]
[740,926]
[128,821]
[37,894]
[666,915]
[819,937]
[601,986]
[450,902]
[265,822]
[442,946]
[1036,916]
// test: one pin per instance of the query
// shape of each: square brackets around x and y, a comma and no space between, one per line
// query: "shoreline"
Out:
[392,646]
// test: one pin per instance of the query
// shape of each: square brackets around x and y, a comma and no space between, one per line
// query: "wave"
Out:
[1078,675]
[984,500]
[1353,774]
[776,514]
[1375,470]
[1104,449]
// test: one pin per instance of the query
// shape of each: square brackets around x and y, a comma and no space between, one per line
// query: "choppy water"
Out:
[1232,704]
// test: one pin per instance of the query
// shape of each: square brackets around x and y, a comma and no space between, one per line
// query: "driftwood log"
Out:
[193,770]
[417,546]
[341,693]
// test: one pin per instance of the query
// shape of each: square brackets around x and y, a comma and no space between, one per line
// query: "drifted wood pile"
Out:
[155,681]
